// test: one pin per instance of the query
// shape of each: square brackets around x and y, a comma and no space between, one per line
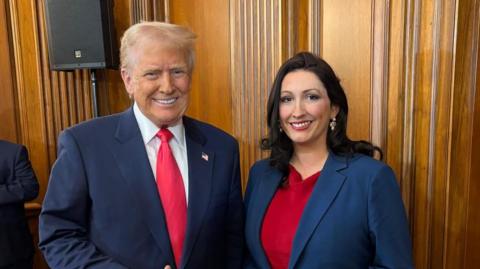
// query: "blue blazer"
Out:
[354,218]
[102,208]
[18,184]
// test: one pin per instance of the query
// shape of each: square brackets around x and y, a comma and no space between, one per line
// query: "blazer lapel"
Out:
[263,195]
[200,164]
[328,185]
[133,164]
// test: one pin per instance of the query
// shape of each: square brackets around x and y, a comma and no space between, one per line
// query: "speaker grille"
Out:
[81,34]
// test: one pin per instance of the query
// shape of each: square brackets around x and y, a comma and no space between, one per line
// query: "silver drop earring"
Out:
[333,123]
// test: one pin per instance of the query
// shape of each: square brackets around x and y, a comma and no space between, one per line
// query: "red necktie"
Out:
[172,193]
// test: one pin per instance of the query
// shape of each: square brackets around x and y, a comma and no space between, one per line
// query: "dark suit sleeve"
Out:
[24,184]
[252,180]
[235,222]
[64,220]
[388,223]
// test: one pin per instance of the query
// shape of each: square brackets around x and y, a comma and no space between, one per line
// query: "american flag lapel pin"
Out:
[205,156]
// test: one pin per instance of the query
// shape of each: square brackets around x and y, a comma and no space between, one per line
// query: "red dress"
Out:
[283,216]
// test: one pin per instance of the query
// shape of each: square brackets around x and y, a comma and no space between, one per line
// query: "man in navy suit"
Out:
[103,207]
[18,184]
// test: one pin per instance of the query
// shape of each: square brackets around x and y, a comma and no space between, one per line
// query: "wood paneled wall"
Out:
[409,67]
[257,30]
[45,102]
[8,128]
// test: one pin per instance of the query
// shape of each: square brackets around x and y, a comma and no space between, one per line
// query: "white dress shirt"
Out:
[152,144]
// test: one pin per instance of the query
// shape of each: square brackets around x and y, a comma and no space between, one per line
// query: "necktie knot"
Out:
[165,135]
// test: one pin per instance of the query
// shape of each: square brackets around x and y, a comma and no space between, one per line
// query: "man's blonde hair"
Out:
[171,35]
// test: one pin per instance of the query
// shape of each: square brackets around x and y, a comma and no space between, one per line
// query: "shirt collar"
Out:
[148,129]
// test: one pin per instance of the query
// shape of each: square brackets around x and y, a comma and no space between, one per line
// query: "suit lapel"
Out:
[328,185]
[200,164]
[132,160]
[263,195]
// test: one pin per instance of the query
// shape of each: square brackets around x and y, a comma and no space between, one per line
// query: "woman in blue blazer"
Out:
[320,200]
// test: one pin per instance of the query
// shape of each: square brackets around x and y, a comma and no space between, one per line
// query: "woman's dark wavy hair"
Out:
[337,141]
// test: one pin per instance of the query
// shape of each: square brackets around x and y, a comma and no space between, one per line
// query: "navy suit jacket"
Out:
[354,218]
[102,208]
[18,184]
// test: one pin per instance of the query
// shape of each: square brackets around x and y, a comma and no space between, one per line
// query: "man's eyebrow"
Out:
[152,70]
[178,66]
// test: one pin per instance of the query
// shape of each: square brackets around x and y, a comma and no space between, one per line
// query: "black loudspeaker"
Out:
[81,34]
